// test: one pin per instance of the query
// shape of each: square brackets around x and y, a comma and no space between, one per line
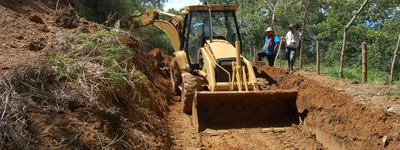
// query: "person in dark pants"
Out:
[270,47]
[292,42]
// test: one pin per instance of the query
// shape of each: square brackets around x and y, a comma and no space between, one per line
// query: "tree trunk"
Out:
[273,18]
[364,62]
[342,54]
[344,37]
[318,64]
[272,8]
[251,53]
[302,34]
[396,52]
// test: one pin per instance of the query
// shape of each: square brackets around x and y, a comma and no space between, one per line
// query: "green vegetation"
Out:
[153,37]
[143,101]
[109,11]
[351,74]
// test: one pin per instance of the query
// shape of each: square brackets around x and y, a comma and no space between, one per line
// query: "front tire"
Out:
[188,90]
[176,78]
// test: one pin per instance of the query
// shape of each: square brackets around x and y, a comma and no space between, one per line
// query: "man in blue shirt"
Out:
[270,47]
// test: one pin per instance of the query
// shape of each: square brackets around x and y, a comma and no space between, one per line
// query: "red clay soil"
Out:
[334,114]
[337,119]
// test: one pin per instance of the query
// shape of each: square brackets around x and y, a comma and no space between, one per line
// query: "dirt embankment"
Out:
[54,111]
[339,120]
[55,94]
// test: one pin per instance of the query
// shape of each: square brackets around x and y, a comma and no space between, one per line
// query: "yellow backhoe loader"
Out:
[219,87]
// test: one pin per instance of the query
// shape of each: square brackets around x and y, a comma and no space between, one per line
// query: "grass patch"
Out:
[351,74]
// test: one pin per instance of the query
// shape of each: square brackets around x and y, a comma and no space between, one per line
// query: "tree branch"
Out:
[356,15]
[344,37]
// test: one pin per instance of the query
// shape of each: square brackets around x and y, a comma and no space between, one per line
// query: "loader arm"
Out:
[173,26]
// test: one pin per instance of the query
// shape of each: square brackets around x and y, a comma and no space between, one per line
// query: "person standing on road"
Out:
[270,47]
[292,42]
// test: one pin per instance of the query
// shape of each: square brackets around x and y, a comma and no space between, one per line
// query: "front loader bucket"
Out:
[244,109]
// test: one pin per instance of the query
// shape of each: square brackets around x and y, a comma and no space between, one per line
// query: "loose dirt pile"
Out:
[46,106]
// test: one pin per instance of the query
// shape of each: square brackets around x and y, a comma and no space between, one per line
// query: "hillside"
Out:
[68,83]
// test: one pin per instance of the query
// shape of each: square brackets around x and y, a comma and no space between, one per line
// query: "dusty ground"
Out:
[335,114]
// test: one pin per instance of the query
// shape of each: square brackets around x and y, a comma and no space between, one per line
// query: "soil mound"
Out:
[66,18]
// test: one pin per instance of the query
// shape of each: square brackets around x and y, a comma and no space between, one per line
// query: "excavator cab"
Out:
[201,25]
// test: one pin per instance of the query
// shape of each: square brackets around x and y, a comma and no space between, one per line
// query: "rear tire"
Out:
[188,91]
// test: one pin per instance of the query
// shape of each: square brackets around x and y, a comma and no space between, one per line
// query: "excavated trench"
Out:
[333,117]
[329,119]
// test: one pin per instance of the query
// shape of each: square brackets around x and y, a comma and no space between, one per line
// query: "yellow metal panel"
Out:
[209,68]
[171,31]
[181,59]
[222,49]
[251,75]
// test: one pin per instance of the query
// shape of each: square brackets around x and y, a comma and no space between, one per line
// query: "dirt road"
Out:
[185,136]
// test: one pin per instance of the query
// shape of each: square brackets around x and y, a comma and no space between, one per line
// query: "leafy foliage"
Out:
[371,27]
[155,38]
[109,11]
